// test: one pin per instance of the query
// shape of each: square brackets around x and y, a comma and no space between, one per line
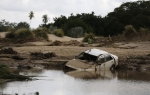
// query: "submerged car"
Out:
[93,59]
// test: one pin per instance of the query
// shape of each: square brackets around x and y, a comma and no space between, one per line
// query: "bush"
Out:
[89,38]
[10,35]
[40,33]
[130,31]
[46,30]
[144,30]
[59,32]
[23,33]
[76,32]
[90,41]
[52,29]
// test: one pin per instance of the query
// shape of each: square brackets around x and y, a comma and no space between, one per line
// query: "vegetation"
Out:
[5,25]
[21,25]
[59,32]
[129,13]
[45,19]
[130,18]
[23,33]
[89,38]
[10,35]
[90,41]
[76,32]
[31,15]
[40,33]
[6,74]
[130,31]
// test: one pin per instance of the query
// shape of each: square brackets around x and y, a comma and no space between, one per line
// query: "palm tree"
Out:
[45,19]
[31,15]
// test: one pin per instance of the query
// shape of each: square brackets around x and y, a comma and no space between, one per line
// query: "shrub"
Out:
[90,41]
[76,32]
[144,31]
[40,33]
[23,33]
[11,33]
[129,31]
[59,32]
[52,29]
[89,38]
[46,30]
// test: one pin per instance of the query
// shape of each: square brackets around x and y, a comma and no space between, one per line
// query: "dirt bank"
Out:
[136,58]
[133,55]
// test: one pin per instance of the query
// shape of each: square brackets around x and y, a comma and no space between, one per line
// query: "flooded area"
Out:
[58,82]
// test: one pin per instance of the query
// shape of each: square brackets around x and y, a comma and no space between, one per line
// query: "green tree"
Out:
[45,19]
[31,15]
[22,25]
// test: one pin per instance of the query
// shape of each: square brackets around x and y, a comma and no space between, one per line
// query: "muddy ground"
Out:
[132,55]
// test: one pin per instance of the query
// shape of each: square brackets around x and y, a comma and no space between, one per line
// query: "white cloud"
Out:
[18,10]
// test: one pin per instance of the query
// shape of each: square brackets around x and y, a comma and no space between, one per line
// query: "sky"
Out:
[18,10]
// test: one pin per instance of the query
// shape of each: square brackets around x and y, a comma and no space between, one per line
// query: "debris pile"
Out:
[41,55]
[7,51]
[134,63]
[72,43]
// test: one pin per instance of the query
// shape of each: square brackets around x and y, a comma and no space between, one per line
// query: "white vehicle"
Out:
[93,59]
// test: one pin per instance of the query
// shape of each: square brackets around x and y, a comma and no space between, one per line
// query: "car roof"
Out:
[95,52]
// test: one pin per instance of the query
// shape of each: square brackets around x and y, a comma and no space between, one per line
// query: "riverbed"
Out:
[59,82]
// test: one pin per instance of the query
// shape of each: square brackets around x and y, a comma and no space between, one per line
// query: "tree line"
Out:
[135,13]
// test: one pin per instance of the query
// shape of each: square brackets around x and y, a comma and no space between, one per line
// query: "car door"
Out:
[105,61]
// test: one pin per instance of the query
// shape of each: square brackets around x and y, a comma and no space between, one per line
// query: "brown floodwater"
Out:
[58,82]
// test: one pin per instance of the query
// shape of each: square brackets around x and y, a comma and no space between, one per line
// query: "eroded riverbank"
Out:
[56,56]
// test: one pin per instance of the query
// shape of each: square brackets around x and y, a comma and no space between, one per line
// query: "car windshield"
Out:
[86,56]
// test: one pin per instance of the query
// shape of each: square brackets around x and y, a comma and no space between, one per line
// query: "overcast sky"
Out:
[18,10]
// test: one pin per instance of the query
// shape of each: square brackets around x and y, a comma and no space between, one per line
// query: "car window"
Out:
[80,56]
[108,57]
[101,59]
[86,56]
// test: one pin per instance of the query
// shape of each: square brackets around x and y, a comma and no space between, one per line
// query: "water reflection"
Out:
[2,87]
[134,75]
[57,82]
[104,74]
[108,74]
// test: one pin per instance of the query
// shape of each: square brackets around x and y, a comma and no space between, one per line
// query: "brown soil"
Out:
[126,51]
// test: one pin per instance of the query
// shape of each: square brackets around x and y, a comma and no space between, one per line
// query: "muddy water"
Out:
[58,82]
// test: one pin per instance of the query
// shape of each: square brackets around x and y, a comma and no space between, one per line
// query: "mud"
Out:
[14,59]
